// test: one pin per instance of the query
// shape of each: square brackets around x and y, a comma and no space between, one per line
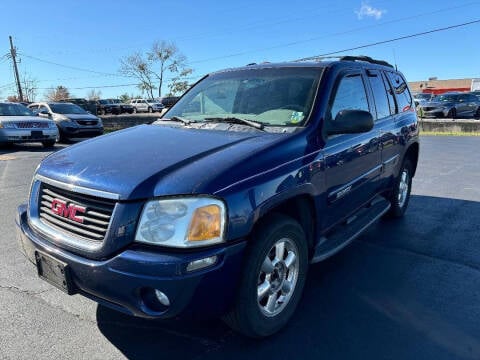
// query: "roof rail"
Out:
[347,58]
[367,59]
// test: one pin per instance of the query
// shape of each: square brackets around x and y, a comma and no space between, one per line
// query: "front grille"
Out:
[32,125]
[96,219]
[87,122]
[429,108]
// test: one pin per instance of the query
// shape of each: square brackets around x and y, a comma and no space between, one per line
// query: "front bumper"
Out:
[25,135]
[435,112]
[125,282]
[81,132]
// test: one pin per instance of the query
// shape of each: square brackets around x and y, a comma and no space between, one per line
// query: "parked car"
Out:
[219,207]
[18,124]
[476,93]
[106,106]
[421,98]
[72,121]
[168,101]
[87,105]
[124,108]
[452,105]
[144,105]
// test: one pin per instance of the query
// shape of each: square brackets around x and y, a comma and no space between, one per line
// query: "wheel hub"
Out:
[278,276]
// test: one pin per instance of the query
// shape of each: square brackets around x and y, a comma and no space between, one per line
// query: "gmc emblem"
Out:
[62,208]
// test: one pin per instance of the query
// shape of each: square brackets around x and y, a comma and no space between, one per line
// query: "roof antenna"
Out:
[395,59]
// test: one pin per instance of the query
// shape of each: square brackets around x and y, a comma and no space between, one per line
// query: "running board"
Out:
[353,227]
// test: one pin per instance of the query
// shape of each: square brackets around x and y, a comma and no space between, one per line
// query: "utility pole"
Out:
[13,52]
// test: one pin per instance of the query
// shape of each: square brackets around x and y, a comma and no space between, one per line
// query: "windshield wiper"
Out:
[236,120]
[180,119]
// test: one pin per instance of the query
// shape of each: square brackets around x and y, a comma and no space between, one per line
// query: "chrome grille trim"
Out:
[92,228]
[89,236]
[32,125]
[78,189]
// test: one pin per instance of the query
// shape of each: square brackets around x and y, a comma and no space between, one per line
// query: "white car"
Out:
[144,105]
[18,124]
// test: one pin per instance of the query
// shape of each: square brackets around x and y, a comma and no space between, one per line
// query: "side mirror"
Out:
[351,122]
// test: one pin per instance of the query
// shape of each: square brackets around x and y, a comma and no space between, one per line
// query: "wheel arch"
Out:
[301,208]
[412,154]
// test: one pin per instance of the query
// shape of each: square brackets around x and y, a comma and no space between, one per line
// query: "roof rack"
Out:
[347,58]
[367,59]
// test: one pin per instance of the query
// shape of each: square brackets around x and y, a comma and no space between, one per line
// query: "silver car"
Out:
[452,105]
[143,105]
[18,124]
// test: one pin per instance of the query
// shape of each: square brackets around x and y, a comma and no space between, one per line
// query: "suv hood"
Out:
[81,116]
[149,160]
[23,118]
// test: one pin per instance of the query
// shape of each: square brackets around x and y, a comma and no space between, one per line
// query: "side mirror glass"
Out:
[351,122]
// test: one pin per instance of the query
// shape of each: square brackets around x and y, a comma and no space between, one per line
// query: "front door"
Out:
[352,161]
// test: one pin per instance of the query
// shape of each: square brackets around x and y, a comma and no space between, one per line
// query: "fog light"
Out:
[202,263]
[162,298]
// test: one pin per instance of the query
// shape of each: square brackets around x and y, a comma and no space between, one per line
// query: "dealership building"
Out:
[435,86]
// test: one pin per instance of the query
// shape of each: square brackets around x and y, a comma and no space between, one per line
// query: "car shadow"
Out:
[30,147]
[406,288]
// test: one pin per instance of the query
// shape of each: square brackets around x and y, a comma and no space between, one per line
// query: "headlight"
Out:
[7,125]
[51,125]
[182,222]
[60,117]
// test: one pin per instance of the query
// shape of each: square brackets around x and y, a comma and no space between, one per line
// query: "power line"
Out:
[71,67]
[293,43]
[391,40]
[90,87]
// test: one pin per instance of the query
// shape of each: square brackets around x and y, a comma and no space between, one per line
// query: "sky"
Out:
[79,44]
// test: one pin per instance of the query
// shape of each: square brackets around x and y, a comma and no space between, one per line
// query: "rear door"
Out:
[352,161]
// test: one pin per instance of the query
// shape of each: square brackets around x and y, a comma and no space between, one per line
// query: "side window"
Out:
[43,108]
[401,90]
[379,93]
[350,95]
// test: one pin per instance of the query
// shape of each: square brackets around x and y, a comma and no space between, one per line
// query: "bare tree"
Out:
[169,60]
[137,67]
[58,93]
[29,85]
[94,94]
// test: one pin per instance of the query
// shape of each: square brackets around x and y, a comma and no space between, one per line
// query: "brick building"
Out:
[435,86]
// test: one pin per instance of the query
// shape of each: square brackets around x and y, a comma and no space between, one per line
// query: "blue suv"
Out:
[219,207]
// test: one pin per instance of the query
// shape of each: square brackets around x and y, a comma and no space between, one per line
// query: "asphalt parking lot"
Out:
[406,289]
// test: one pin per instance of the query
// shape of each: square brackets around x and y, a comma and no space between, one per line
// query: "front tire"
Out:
[400,196]
[273,278]
[452,113]
[48,144]
[150,110]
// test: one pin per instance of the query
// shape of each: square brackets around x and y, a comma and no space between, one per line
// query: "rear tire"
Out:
[273,278]
[400,196]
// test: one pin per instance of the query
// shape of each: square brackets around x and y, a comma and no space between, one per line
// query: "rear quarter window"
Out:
[404,98]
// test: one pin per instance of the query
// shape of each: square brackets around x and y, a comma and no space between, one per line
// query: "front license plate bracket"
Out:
[54,271]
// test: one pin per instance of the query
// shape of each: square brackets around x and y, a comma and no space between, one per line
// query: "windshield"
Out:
[423,96]
[446,98]
[15,110]
[269,96]
[67,108]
